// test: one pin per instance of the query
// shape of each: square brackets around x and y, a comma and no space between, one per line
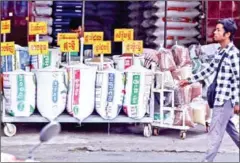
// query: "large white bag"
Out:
[81,90]
[123,62]
[51,92]
[19,91]
[95,62]
[51,60]
[137,89]
[109,93]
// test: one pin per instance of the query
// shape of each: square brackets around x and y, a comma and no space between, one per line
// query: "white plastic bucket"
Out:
[19,91]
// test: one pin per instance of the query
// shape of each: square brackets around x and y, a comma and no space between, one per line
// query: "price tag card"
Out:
[38,48]
[123,35]
[92,37]
[102,47]
[69,45]
[135,47]
[65,36]
[37,28]
[5,26]
[7,48]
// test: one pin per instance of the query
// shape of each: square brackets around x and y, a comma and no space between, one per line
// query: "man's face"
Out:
[219,33]
[78,31]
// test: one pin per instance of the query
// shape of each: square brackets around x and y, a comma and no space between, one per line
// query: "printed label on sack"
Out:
[21,92]
[55,86]
[47,60]
[135,94]
[127,63]
[135,89]
[76,87]
[110,95]
[98,89]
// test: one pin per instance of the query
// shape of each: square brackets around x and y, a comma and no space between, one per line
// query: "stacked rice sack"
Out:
[62,13]
[135,15]
[181,24]
[43,13]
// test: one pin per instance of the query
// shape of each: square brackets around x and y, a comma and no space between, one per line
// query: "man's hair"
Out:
[229,25]
[75,23]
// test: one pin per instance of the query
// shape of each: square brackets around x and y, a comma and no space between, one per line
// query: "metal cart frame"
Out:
[157,124]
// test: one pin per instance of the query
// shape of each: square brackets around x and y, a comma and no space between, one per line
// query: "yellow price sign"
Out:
[69,45]
[92,37]
[65,36]
[37,28]
[102,47]
[38,48]
[5,26]
[123,35]
[135,47]
[7,48]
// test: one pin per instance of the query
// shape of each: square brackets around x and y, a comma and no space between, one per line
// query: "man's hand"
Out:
[183,83]
[236,109]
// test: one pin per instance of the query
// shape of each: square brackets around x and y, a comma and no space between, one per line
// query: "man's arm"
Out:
[204,73]
[235,62]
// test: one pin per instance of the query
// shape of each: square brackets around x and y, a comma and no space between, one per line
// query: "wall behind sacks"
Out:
[222,9]
[17,12]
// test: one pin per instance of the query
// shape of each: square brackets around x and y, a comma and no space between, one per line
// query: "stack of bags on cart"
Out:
[182,22]
[62,13]
[50,86]
[176,65]
[42,11]
[135,16]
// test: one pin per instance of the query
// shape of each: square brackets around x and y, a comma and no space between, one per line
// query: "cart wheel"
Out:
[155,131]
[183,134]
[147,131]
[207,127]
[10,129]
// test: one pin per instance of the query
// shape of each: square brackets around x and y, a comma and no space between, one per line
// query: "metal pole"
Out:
[82,34]
[165,25]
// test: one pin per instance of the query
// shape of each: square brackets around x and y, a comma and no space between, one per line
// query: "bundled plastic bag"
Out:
[188,113]
[150,56]
[138,84]
[51,92]
[19,89]
[200,111]
[109,93]
[181,55]
[186,94]
[196,90]
[167,80]
[166,60]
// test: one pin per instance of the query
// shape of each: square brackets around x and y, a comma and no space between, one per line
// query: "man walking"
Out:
[225,100]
